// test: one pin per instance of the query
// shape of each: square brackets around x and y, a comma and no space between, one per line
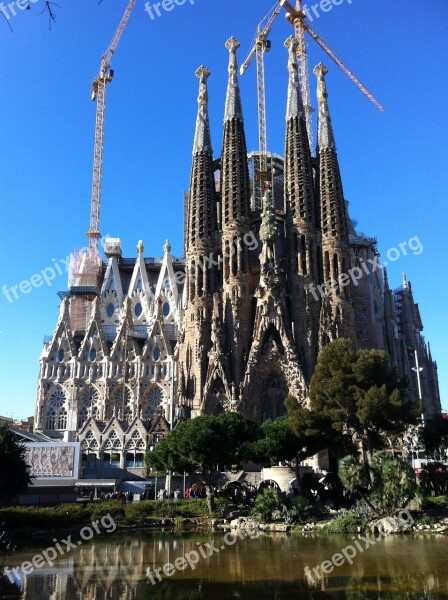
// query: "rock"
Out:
[388,525]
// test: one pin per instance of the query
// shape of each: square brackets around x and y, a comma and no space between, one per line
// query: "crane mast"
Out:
[261,46]
[304,77]
[297,19]
[99,94]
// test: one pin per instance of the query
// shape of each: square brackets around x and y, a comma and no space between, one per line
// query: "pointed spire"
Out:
[234,108]
[167,247]
[202,218]
[405,282]
[235,187]
[202,138]
[325,128]
[294,106]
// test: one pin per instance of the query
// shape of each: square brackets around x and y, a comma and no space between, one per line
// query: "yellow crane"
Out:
[297,19]
[260,47]
[105,76]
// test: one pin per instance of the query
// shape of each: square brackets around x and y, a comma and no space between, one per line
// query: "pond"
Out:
[122,566]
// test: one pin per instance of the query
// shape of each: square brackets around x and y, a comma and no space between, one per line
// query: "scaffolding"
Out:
[84,270]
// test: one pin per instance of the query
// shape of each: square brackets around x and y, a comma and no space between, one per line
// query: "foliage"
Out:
[386,485]
[123,513]
[309,426]
[356,393]
[347,524]
[310,487]
[278,444]
[14,471]
[203,443]
[436,502]
[394,482]
[434,436]
[426,520]
[296,508]
[434,479]
[266,502]
[353,474]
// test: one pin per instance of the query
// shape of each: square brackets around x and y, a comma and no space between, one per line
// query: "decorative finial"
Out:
[405,282]
[291,43]
[320,71]
[295,103]
[167,247]
[233,99]
[140,247]
[202,140]
[268,228]
[232,46]
[325,129]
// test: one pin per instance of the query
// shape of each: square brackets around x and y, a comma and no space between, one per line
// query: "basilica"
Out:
[273,270]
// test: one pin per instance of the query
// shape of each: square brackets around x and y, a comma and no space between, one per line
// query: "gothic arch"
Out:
[216,402]
[153,403]
[121,402]
[56,414]
[88,405]
[274,392]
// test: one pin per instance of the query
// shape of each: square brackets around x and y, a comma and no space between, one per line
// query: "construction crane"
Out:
[105,76]
[304,78]
[260,47]
[297,19]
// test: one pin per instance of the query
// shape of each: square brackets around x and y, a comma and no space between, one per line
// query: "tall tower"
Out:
[301,209]
[337,313]
[235,226]
[201,269]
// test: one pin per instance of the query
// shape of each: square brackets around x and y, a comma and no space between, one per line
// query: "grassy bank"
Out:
[124,514]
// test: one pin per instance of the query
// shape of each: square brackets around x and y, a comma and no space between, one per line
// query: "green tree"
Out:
[14,470]
[394,482]
[284,440]
[202,444]
[386,485]
[355,477]
[266,502]
[434,436]
[356,394]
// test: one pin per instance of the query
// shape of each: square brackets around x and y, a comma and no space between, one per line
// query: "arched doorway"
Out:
[273,396]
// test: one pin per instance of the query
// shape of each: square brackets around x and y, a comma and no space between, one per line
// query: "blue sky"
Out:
[394,165]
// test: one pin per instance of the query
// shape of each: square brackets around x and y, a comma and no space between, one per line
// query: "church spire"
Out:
[235,172]
[295,103]
[332,203]
[299,192]
[202,218]
[202,138]
[235,224]
[234,108]
[325,129]
[333,214]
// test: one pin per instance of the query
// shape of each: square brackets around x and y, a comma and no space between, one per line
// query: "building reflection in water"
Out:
[115,569]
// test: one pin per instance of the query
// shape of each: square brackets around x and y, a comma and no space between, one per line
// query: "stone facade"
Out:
[238,323]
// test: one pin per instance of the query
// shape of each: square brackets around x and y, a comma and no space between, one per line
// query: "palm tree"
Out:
[355,477]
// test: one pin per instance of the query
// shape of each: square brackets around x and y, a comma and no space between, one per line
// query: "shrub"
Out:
[266,502]
[347,524]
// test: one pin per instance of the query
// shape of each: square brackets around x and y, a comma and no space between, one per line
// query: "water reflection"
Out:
[268,567]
